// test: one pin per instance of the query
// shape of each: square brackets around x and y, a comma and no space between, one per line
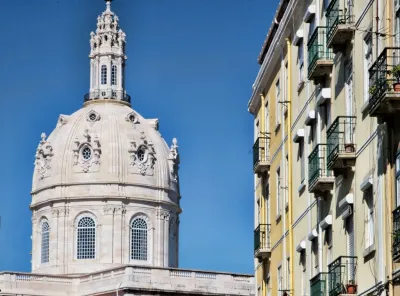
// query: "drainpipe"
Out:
[262,197]
[288,96]
[283,168]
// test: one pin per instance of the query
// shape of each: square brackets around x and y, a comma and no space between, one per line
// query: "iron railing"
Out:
[261,150]
[107,94]
[342,272]
[317,48]
[380,78]
[262,237]
[396,234]
[319,284]
[340,137]
[336,16]
[317,165]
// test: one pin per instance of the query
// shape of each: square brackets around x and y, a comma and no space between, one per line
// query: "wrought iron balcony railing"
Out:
[342,276]
[381,78]
[317,164]
[261,151]
[340,139]
[107,94]
[262,238]
[396,234]
[319,284]
[335,16]
[317,48]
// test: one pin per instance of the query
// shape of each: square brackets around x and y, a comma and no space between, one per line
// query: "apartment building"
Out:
[326,154]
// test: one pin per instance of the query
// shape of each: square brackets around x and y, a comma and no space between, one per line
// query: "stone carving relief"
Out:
[44,155]
[163,214]
[62,120]
[114,209]
[142,156]
[86,154]
[132,117]
[60,212]
[173,161]
[92,117]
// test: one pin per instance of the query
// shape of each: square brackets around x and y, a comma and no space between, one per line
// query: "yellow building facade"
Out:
[326,150]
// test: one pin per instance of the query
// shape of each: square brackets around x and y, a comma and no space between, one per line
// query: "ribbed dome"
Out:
[106,143]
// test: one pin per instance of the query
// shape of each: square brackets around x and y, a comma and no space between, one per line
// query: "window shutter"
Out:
[350,245]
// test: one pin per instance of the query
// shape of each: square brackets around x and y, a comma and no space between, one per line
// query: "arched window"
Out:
[86,239]
[114,75]
[139,239]
[104,74]
[45,242]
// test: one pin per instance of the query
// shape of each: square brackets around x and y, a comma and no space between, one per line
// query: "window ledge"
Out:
[368,251]
[277,126]
[301,187]
[300,86]
[364,107]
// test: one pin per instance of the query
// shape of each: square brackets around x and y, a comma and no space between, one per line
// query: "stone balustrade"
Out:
[130,279]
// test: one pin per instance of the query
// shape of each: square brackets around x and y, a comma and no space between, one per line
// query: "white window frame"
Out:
[114,73]
[278,192]
[103,75]
[149,240]
[369,218]
[279,280]
[398,178]
[367,64]
[300,60]
[278,93]
[44,246]
[77,220]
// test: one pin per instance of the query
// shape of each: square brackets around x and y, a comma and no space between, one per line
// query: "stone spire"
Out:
[107,59]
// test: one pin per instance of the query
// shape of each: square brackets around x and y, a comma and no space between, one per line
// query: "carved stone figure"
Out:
[44,154]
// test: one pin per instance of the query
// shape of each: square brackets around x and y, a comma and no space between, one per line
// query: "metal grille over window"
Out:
[86,238]
[139,240]
[104,74]
[45,242]
[114,75]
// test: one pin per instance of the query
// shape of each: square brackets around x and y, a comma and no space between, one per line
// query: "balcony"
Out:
[320,57]
[382,99]
[262,241]
[341,26]
[342,276]
[320,179]
[396,235]
[319,284]
[341,143]
[107,94]
[261,160]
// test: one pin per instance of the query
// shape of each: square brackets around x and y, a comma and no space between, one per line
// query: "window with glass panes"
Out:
[86,239]
[139,239]
[45,242]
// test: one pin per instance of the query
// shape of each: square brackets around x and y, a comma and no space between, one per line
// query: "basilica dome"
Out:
[105,188]
[103,143]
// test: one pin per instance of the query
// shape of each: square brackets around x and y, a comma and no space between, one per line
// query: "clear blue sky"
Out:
[191,63]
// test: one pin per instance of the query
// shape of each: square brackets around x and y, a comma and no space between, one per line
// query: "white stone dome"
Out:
[107,164]
[114,137]
[105,190]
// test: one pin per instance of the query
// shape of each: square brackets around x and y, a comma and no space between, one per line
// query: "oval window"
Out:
[86,153]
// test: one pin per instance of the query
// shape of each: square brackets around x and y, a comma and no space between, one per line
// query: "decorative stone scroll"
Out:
[173,160]
[142,156]
[44,155]
[86,154]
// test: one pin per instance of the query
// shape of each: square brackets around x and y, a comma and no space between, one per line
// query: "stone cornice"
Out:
[255,97]
[107,197]
[119,183]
